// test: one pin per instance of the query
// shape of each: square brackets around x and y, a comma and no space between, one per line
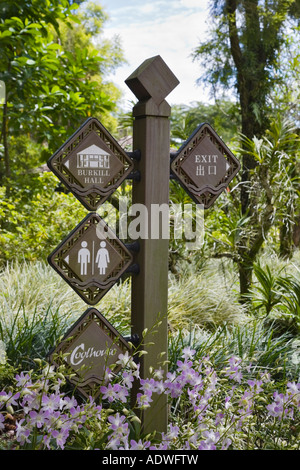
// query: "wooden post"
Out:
[151,83]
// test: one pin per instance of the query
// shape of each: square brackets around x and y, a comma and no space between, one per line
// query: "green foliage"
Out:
[244,47]
[26,232]
[53,73]
[277,295]
[272,206]
[217,400]
[223,116]
[32,317]
[267,294]
[37,308]
[257,341]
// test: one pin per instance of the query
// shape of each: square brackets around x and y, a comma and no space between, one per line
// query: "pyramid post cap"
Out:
[152,79]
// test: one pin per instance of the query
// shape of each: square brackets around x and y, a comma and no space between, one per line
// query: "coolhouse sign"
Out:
[88,348]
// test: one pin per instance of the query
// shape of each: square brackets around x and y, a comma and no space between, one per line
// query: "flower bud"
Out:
[135,419]
[10,409]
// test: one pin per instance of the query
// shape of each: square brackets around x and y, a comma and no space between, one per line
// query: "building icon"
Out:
[93,157]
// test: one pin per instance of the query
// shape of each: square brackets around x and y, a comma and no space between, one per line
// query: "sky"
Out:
[169,28]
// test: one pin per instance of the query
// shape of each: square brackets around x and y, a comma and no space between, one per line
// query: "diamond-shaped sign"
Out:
[91,259]
[91,164]
[88,348]
[204,165]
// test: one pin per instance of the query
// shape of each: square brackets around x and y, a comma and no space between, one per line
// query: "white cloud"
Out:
[173,36]
[193,4]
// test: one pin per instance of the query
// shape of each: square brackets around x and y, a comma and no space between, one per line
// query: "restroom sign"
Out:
[91,164]
[91,259]
[90,347]
[204,165]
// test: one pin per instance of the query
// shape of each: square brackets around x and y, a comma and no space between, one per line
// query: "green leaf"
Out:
[5,33]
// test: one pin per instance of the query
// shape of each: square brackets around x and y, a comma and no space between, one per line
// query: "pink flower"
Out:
[23,380]
[275,410]
[206,446]
[22,433]
[51,403]
[139,445]
[184,366]
[144,400]
[118,424]
[38,419]
[293,392]
[61,436]
[188,353]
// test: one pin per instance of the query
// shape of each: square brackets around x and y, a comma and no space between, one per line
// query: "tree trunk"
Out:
[250,66]
[286,246]
[245,277]
[296,233]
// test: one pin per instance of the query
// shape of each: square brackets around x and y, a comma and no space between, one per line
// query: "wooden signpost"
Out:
[91,259]
[151,83]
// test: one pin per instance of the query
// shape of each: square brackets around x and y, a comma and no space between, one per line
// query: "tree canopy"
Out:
[243,52]
[246,53]
[54,74]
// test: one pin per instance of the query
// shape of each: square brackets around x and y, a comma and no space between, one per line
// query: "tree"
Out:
[243,53]
[249,34]
[222,115]
[51,86]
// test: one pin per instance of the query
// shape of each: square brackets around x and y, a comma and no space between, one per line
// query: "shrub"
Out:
[210,409]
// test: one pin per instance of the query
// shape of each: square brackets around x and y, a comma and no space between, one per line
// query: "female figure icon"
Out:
[102,258]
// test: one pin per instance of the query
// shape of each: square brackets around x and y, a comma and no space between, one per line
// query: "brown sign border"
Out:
[205,194]
[91,292]
[57,358]
[93,197]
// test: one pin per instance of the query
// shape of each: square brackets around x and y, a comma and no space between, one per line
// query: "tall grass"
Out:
[33,310]
[255,342]
[37,307]
[206,297]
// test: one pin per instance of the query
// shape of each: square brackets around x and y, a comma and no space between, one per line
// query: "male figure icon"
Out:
[84,257]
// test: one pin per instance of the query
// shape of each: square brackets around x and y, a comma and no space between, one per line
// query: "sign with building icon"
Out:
[91,259]
[91,164]
[204,166]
